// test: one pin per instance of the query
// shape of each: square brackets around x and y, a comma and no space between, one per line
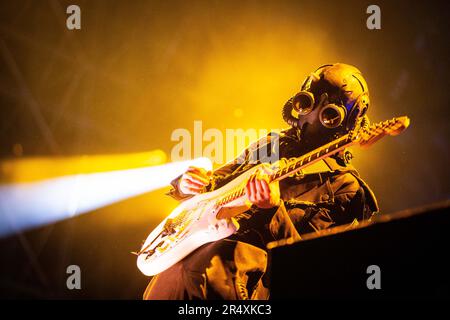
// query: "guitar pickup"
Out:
[168,228]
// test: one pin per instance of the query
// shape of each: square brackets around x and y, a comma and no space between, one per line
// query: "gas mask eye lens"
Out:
[331,116]
[303,102]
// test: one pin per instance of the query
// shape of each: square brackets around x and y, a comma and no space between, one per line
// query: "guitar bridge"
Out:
[148,253]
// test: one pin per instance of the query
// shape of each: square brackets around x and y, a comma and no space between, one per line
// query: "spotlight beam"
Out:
[28,205]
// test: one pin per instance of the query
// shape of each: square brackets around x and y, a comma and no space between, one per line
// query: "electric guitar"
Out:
[209,216]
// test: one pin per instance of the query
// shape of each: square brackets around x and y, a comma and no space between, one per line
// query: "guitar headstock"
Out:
[373,133]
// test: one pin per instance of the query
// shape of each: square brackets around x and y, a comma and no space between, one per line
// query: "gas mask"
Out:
[331,101]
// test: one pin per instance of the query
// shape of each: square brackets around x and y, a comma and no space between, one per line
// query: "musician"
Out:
[332,101]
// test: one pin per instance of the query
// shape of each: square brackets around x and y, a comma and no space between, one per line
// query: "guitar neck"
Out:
[311,157]
[296,165]
[365,137]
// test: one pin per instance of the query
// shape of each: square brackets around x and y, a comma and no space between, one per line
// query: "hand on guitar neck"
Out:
[260,192]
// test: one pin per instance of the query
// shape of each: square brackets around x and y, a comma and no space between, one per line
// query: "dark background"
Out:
[137,70]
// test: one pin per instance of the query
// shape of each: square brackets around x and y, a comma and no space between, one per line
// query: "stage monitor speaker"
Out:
[403,255]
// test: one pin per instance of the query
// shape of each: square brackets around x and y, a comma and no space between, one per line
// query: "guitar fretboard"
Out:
[311,157]
[366,136]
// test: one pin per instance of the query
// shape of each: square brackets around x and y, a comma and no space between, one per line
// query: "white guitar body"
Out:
[205,222]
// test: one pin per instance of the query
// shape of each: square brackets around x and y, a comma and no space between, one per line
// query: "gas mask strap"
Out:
[286,112]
